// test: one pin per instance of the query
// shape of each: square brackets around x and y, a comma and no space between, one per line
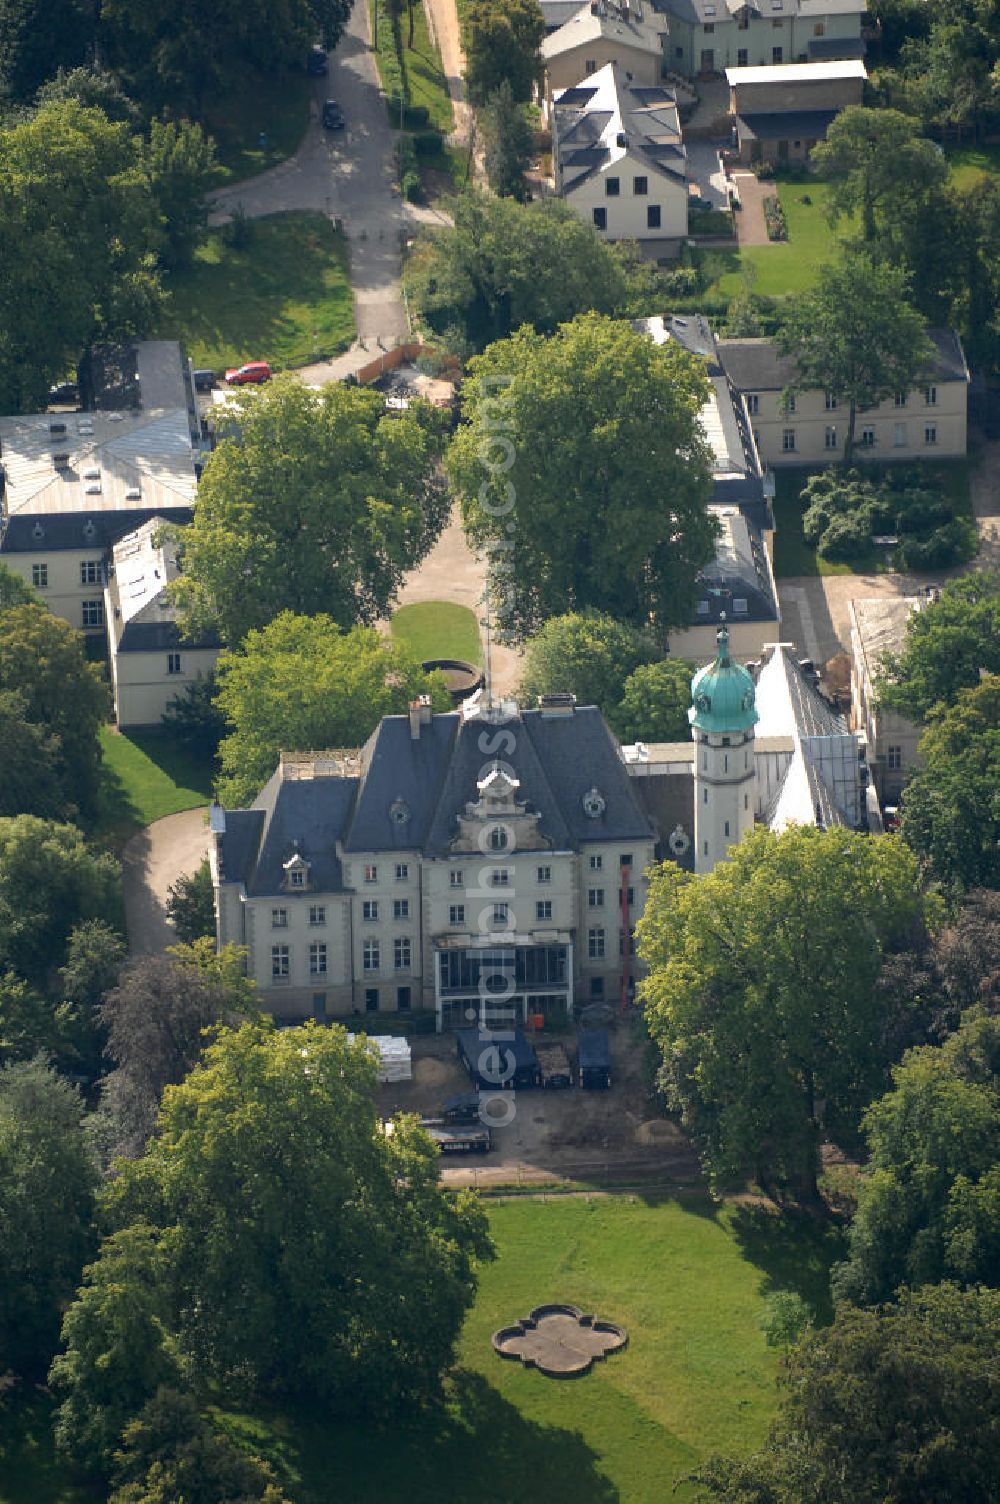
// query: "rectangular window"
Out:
[281,963]
[653,217]
[279,919]
[741,605]
[371,955]
[596,863]
[640,186]
[173,663]
[625,860]
[591,65]
[788,440]
[899,436]
[727,828]
[296,878]
[371,873]
[402,872]
[868,438]
[600,219]
[776,54]
[595,898]
[930,433]
[742,57]
[40,576]
[595,945]
[830,438]
[543,909]
[93,613]
[500,877]
[789,402]
[819,29]
[709,28]
[930,396]
[830,401]
[895,758]
[612,187]
[371,999]
[317,959]
[900,399]
[631,939]
[402,950]
[753,403]
[455,879]
[401,908]
[369,910]
[456,914]
[317,913]
[545,874]
[501,913]
[90,571]
[498,838]
[597,987]
[403,999]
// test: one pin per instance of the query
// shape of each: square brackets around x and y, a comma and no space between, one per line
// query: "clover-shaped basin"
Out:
[560,1341]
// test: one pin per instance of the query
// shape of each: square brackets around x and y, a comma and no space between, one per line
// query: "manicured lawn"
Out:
[438,629]
[147,774]
[686,1278]
[285,297]
[792,265]
[277,106]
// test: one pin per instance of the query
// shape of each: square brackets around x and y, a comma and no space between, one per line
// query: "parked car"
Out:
[333,116]
[318,65]
[64,392]
[247,375]
[204,381]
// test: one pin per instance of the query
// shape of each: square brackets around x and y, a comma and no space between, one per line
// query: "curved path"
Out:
[152,861]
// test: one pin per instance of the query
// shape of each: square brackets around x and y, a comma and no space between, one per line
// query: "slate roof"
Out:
[635,31]
[591,121]
[557,760]
[76,530]
[822,48]
[756,365]
[738,572]
[139,614]
[787,125]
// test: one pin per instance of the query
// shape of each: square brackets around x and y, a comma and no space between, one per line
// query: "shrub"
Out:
[945,545]
[427,143]
[845,537]
[410,184]
[415,116]
[774,218]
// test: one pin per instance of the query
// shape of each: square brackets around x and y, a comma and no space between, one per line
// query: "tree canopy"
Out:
[878,163]
[770,1040]
[43,663]
[586,654]
[897,1404]
[502,40]
[36,38]
[654,703]
[584,474]
[506,264]
[301,684]
[855,336]
[947,646]
[48,1178]
[951,807]
[311,502]
[930,1196]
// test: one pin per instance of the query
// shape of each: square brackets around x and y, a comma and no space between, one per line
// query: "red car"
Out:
[253,371]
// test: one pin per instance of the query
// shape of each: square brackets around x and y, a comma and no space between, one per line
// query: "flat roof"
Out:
[881,627]
[797,73]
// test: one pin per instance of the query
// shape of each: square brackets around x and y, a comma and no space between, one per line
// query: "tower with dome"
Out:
[723,716]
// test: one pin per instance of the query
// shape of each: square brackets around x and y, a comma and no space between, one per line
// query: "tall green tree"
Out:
[856,336]
[584,474]
[96,88]
[878,162]
[50,882]
[33,767]
[191,904]
[502,40]
[901,1404]
[586,654]
[180,165]
[48,1178]
[15,590]
[509,144]
[947,648]
[302,684]
[654,704]
[770,1039]
[929,1198]
[951,811]
[311,502]
[505,264]
[36,38]
[43,663]
[78,232]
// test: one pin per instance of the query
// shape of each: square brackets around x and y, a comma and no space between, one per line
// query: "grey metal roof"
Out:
[76,530]
[399,766]
[155,636]
[757,365]
[738,572]
[821,49]
[807,125]
[307,816]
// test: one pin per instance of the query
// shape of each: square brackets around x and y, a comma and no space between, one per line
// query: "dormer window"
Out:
[498,838]
[296,871]
[399,811]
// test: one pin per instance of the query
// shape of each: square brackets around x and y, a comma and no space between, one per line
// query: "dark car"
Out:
[333,116]
[204,381]
[318,65]
[64,392]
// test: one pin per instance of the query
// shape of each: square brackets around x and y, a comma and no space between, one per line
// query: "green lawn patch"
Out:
[285,297]
[275,104]
[424,72]
[792,265]
[687,1279]
[969,164]
[438,629]
[146,775]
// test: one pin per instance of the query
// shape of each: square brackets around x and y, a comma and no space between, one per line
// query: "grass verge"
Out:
[146,775]
[438,629]
[276,105]
[424,72]
[285,297]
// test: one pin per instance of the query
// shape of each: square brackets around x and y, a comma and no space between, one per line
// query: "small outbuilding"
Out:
[498,1059]
[781,111]
[594,1055]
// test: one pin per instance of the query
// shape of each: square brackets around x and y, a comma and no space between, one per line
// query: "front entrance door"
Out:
[782,151]
[708,61]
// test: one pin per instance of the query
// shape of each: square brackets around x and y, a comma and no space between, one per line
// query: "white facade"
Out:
[724,794]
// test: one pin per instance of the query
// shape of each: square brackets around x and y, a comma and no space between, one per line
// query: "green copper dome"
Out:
[722,694]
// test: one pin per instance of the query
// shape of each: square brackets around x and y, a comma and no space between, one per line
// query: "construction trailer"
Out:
[554,1064]
[498,1058]
[594,1055]
[458,1138]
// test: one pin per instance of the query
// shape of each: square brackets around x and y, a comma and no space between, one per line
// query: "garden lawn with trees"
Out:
[275,289]
[144,776]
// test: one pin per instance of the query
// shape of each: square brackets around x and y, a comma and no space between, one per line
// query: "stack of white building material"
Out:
[394,1056]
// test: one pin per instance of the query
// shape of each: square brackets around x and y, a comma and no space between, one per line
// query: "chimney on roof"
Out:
[557,704]
[420,715]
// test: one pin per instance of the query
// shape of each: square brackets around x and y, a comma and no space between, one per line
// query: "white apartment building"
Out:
[708,36]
